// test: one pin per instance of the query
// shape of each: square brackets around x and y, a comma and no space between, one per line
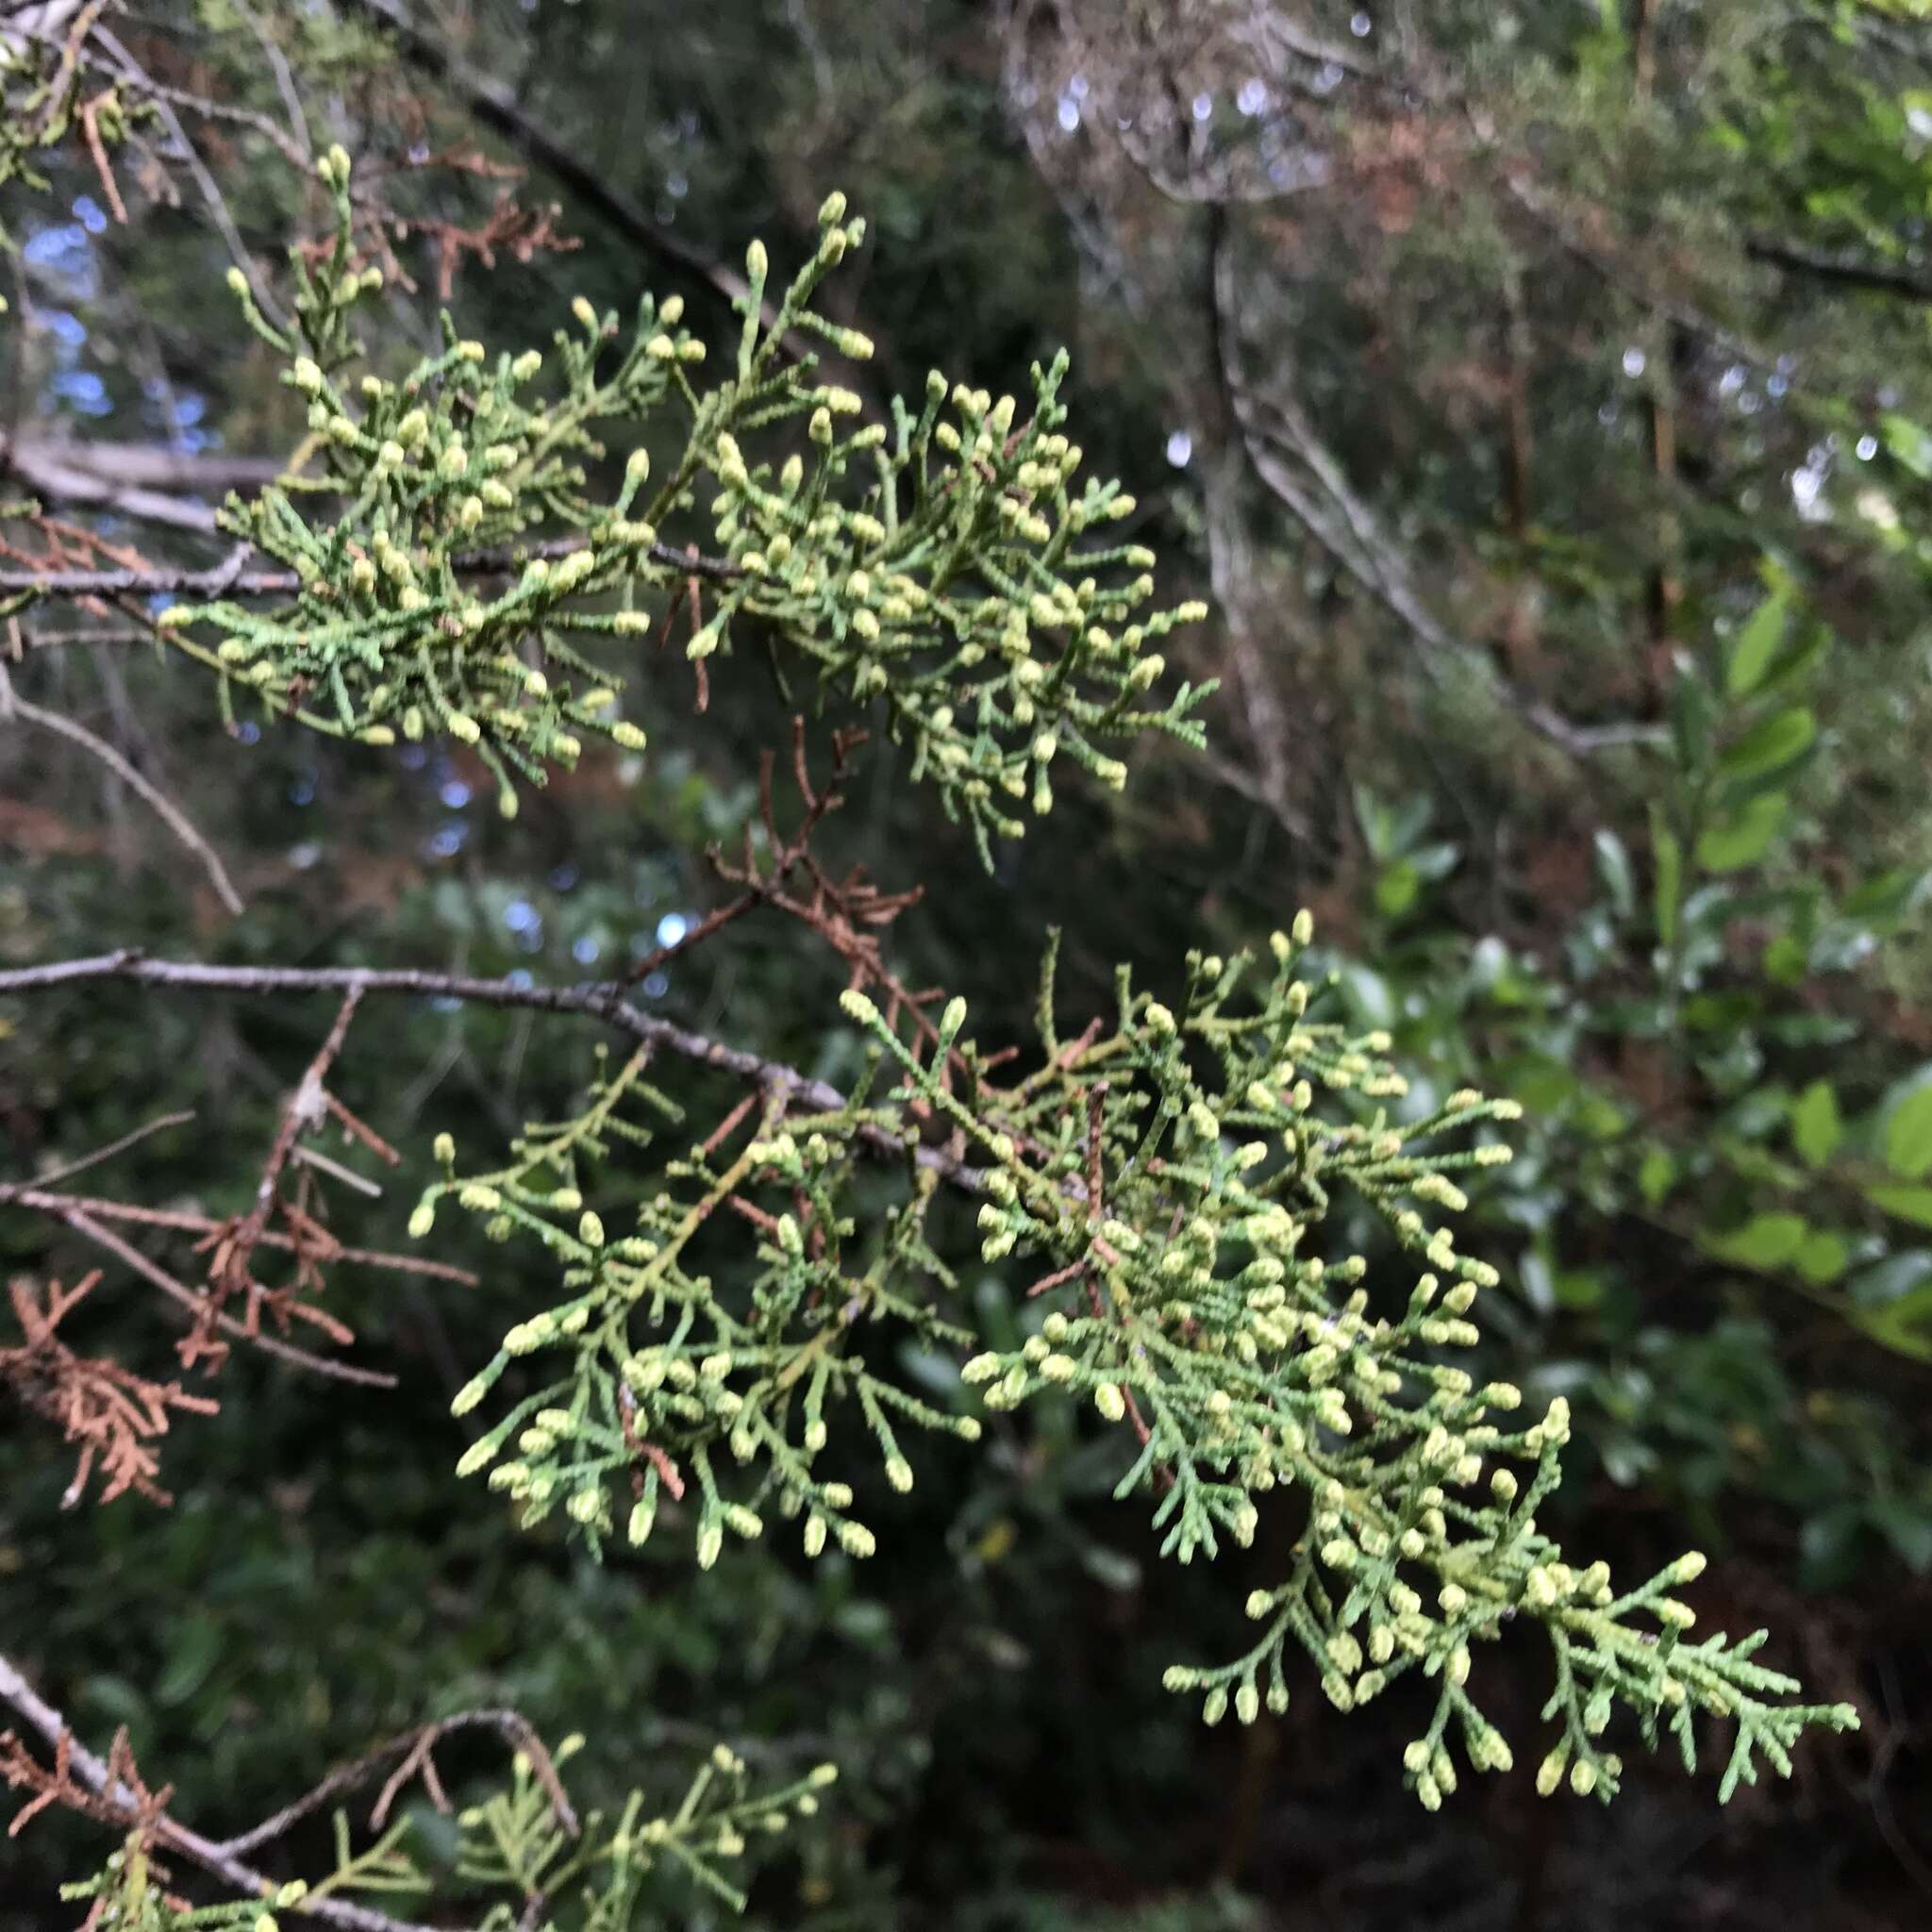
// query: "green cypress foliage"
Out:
[45,93]
[1240,1237]
[519,1844]
[950,563]
[1170,1184]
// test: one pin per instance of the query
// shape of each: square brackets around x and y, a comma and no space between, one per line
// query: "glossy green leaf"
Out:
[1909,444]
[1774,741]
[1657,1175]
[1822,1256]
[1904,1325]
[1785,961]
[1745,836]
[1909,1204]
[1756,645]
[1816,1125]
[1766,1240]
[1396,890]
[1909,1135]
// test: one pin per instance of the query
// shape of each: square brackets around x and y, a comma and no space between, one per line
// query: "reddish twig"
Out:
[113,1791]
[306,1110]
[603,1002]
[643,1450]
[112,1416]
[83,1223]
[183,1221]
[412,1748]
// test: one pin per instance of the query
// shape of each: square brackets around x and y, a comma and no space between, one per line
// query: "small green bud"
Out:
[470,1394]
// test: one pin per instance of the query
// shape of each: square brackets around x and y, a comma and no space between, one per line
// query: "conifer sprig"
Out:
[947,563]
[43,97]
[514,1844]
[666,1375]
[523,1864]
[1167,1185]
[128,1894]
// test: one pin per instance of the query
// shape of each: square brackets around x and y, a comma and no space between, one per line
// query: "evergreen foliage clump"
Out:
[524,1842]
[1168,1180]
[945,562]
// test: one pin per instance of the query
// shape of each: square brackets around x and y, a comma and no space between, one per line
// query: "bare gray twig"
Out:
[150,793]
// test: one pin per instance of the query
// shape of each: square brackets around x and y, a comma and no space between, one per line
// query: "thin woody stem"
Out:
[197,1304]
[228,579]
[93,1772]
[305,1109]
[594,1000]
[159,802]
[412,1748]
[46,1201]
